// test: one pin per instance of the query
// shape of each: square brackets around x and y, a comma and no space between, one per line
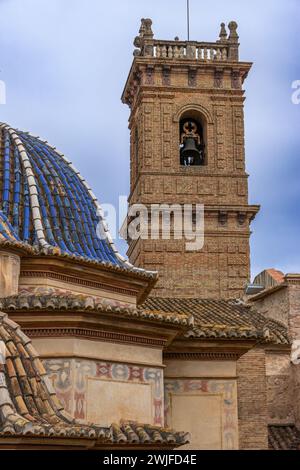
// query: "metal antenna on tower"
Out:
[188,18]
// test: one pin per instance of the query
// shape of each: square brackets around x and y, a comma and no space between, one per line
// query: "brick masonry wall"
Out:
[296,393]
[275,305]
[283,378]
[280,392]
[294,327]
[252,400]
[294,312]
[221,269]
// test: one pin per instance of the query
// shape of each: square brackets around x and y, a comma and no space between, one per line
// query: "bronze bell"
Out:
[190,154]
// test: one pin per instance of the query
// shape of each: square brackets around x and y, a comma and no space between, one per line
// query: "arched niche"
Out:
[193,122]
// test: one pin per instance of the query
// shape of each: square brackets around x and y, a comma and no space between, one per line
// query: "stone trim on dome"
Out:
[33,188]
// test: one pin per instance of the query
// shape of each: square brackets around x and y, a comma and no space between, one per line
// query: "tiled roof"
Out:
[88,303]
[277,275]
[222,319]
[47,205]
[29,406]
[269,279]
[284,438]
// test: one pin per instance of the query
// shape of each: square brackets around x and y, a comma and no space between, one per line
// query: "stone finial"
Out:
[146,28]
[223,33]
[233,42]
[233,36]
[142,42]
[142,28]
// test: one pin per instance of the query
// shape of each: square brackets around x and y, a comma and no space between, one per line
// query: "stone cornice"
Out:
[292,278]
[93,334]
[123,282]
[75,280]
[141,63]
[203,356]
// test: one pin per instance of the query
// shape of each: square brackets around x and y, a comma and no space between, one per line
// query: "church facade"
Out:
[175,347]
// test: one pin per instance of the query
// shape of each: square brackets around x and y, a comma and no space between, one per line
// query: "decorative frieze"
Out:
[166,75]
[182,394]
[192,76]
[236,79]
[149,75]
[93,334]
[223,217]
[69,378]
[242,218]
[218,79]
[203,356]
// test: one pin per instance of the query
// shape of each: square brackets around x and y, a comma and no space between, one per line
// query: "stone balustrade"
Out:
[202,51]
[226,48]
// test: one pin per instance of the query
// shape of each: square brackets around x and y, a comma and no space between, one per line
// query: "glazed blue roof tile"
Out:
[45,203]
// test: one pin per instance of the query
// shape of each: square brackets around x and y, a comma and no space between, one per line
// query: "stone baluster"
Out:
[190,52]
[170,52]
[164,52]
[224,54]
[176,52]
[219,52]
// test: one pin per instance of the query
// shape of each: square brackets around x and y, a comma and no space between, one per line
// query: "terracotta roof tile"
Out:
[224,319]
[277,275]
[29,407]
[87,303]
[284,437]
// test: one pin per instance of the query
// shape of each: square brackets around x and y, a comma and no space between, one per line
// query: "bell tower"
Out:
[187,148]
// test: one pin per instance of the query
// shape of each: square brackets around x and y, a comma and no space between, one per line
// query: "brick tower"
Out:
[187,147]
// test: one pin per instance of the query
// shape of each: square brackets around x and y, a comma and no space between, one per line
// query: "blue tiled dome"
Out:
[46,204]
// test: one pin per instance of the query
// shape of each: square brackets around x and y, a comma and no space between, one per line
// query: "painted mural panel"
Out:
[118,401]
[72,380]
[191,404]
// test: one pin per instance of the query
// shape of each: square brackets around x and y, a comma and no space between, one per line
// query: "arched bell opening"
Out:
[192,140]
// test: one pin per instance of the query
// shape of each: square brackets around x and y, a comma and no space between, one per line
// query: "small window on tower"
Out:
[191,143]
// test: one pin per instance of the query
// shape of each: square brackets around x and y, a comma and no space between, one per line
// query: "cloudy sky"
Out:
[65,63]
